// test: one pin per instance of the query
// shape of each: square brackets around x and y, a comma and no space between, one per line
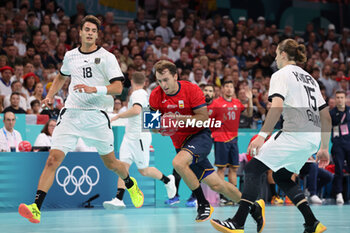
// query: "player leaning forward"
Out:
[306,130]
[184,102]
[95,76]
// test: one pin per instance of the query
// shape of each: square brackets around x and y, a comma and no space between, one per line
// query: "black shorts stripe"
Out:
[141,144]
[109,122]
[278,134]
[59,117]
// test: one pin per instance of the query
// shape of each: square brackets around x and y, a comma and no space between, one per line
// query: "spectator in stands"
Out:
[5,80]
[156,46]
[184,63]
[18,73]
[35,107]
[118,107]
[37,94]
[327,80]
[12,55]
[29,81]
[340,139]
[14,104]
[316,178]
[9,137]
[174,49]
[44,138]
[163,29]
[16,86]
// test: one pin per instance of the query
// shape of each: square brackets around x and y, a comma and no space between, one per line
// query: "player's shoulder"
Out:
[72,52]
[156,91]
[187,84]
[140,92]
[188,87]
[105,52]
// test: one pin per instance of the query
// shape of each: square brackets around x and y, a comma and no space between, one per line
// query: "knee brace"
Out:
[252,175]
[283,179]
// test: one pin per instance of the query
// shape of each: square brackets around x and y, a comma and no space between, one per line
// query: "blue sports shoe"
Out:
[172,201]
[191,202]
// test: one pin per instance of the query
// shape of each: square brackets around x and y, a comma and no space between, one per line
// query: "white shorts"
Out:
[93,126]
[288,150]
[136,150]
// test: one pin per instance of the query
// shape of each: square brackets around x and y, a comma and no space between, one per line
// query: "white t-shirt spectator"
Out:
[9,139]
[43,140]
[22,102]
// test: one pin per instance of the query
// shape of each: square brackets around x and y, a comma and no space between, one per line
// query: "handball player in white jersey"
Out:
[136,143]
[306,130]
[95,77]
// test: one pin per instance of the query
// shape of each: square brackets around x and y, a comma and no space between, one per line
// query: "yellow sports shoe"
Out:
[316,228]
[31,212]
[276,200]
[136,194]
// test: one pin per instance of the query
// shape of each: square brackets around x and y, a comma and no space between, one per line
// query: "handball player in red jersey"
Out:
[184,102]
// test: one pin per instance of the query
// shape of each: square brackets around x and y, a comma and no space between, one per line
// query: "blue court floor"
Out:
[279,219]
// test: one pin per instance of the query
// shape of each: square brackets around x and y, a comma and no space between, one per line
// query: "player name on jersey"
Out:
[304,78]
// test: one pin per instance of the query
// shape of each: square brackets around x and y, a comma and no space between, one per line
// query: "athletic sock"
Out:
[128,182]
[39,198]
[164,179]
[222,196]
[198,192]
[120,193]
[273,189]
[306,211]
[242,213]
[177,181]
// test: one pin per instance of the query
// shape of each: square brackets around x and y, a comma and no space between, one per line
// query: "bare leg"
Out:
[232,175]
[115,165]
[151,172]
[181,163]
[223,187]
[221,172]
[48,174]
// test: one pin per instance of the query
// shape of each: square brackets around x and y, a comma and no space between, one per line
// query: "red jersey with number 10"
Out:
[188,98]
[228,112]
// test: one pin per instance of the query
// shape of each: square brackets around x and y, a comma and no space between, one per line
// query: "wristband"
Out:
[101,90]
[263,134]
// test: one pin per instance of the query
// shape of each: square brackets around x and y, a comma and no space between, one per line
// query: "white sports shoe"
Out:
[339,199]
[314,199]
[170,187]
[114,204]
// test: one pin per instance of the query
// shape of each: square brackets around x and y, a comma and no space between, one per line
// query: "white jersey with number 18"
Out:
[97,68]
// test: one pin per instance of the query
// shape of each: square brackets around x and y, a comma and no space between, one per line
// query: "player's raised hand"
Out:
[82,88]
[255,145]
[248,93]
[322,158]
[47,102]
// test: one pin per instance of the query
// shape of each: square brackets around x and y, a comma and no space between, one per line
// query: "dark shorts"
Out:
[199,146]
[226,153]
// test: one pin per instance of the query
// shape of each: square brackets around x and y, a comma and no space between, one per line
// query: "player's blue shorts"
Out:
[226,153]
[199,146]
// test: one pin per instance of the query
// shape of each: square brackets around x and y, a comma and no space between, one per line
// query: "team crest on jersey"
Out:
[97,60]
[235,107]
[181,104]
